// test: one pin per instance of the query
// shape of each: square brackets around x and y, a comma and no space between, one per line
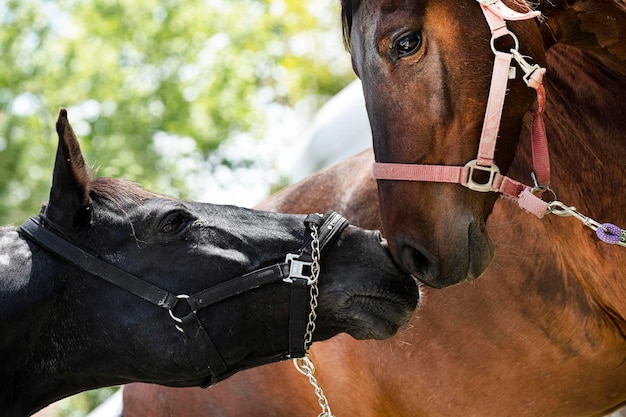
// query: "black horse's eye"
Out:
[174,223]
[407,44]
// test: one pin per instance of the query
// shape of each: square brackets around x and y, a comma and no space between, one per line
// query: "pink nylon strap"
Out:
[496,14]
[541,156]
[505,12]
[496,23]
[521,193]
[504,185]
[411,172]
[493,113]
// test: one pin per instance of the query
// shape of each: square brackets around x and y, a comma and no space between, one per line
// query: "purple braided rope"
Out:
[611,234]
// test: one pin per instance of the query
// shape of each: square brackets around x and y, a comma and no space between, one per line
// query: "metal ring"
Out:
[538,191]
[508,32]
[176,319]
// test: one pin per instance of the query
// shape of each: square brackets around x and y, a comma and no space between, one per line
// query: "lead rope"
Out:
[304,365]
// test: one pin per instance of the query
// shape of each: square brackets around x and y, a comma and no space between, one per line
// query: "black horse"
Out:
[87,285]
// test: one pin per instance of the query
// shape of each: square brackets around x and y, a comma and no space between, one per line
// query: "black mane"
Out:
[119,190]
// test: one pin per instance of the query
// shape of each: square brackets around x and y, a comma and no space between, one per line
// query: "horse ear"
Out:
[69,207]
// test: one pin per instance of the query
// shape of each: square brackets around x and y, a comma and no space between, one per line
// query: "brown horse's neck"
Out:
[586,130]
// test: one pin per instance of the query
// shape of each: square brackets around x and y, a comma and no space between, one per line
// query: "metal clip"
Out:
[297,269]
[524,65]
[481,187]
[560,209]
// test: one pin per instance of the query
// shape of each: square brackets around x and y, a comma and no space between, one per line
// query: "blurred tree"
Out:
[146,80]
[154,88]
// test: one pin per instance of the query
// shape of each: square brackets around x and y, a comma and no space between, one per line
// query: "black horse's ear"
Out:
[69,207]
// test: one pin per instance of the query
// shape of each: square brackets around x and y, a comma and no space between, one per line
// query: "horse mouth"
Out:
[379,315]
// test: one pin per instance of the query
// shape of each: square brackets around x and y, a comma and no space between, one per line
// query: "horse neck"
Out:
[595,26]
[586,131]
[586,127]
[32,348]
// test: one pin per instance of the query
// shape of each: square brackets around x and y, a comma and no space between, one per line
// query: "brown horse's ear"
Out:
[69,207]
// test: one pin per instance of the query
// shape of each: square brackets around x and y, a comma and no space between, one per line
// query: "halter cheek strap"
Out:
[496,14]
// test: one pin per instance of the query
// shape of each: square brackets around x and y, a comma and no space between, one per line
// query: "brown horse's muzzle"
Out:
[442,242]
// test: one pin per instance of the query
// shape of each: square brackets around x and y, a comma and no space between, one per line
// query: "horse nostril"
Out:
[383,242]
[421,264]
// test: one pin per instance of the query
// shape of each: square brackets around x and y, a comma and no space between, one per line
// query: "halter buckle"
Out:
[298,269]
[478,186]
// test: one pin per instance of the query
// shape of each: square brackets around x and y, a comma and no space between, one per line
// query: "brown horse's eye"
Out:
[406,45]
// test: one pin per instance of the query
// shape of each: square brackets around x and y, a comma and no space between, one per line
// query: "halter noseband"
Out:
[496,13]
[293,271]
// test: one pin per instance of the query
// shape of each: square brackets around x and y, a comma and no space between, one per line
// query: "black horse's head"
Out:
[184,248]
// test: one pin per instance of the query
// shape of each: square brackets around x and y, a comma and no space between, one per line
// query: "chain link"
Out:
[305,365]
[314,290]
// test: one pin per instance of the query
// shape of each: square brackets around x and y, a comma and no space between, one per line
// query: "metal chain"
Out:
[314,290]
[304,365]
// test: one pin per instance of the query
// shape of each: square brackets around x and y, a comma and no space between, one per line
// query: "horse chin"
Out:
[377,315]
[373,326]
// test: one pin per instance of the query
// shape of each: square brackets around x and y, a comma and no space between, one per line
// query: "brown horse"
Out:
[542,333]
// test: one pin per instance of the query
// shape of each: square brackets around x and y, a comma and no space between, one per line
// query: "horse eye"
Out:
[407,44]
[173,223]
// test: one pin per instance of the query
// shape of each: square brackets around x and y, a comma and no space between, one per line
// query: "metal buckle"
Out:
[481,187]
[297,269]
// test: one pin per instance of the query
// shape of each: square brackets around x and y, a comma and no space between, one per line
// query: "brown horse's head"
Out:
[426,68]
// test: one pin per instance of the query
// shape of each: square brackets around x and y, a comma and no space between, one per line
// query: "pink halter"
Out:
[496,13]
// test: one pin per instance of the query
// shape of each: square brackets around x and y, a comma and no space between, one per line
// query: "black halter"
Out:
[293,270]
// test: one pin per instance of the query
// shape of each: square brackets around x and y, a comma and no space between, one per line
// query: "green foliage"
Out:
[131,73]
[200,70]
[80,405]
